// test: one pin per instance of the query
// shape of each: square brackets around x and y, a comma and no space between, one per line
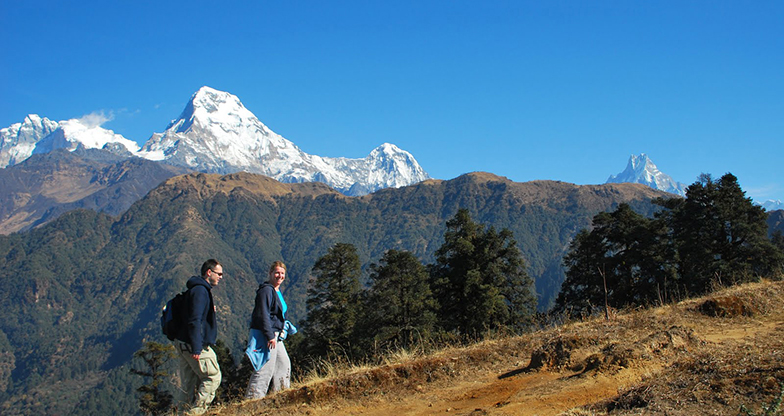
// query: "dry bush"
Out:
[727,307]
[556,354]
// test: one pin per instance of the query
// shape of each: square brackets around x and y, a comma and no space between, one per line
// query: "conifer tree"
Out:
[778,240]
[333,304]
[399,306]
[154,400]
[624,260]
[720,235]
[715,236]
[479,279]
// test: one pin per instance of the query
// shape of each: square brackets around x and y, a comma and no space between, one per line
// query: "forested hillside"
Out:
[776,221]
[85,291]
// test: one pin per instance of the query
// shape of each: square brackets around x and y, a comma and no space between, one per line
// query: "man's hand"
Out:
[195,357]
[271,344]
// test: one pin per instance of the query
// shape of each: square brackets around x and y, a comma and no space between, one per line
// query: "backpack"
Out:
[173,315]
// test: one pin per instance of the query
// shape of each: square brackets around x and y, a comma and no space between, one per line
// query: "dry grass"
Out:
[702,356]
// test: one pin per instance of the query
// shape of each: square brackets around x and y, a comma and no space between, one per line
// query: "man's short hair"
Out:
[209,265]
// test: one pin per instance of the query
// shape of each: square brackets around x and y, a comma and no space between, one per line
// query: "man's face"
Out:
[215,275]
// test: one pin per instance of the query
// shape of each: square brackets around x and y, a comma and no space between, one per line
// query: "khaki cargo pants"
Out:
[200,378]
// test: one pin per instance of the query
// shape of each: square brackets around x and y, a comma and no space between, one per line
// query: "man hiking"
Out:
[199,370]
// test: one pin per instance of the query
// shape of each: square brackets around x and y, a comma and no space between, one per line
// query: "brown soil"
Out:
[706,356]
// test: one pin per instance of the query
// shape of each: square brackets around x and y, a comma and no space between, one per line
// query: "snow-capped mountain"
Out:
[772,205]
[641,169]
[216,133]
[85,132]
[18,140]
[41,135]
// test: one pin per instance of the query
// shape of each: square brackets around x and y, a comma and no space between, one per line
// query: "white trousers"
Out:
[273,376]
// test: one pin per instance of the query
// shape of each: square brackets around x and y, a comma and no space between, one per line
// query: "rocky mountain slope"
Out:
[46,185]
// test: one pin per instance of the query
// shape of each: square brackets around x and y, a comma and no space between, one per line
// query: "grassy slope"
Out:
[676,360]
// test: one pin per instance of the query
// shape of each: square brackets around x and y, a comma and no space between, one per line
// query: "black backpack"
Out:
[173,315]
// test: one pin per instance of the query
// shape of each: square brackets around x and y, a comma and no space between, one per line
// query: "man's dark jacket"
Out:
[201,324]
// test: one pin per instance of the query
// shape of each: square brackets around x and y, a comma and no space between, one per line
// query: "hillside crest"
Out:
[701,356]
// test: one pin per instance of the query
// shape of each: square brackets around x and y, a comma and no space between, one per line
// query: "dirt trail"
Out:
[632,359]
[541,393]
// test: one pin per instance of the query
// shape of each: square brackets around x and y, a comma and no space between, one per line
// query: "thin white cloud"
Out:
[764,192]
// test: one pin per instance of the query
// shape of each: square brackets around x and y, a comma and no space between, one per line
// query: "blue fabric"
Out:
[288,329]
[257,350]
[284,307]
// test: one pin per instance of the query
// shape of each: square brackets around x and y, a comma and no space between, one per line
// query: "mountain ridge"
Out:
[216,133]
[46,185]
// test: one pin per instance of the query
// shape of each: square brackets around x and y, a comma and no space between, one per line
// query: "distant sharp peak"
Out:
[18,140]
[641,161]
[772,204]
[642,165]
[212,100]
[209,106]
[32,128]
[641,169]
[387,149]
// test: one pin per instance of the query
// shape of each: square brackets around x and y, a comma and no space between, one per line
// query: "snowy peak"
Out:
[216,133]
[772,205]
[32,129]
[18,140]
[41,135]
[641,169]
[87,132]
[399,166]
[209,108]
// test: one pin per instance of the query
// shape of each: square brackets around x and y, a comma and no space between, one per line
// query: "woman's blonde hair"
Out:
[276,264]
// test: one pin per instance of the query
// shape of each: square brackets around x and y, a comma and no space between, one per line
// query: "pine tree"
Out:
[720,235]
[624,260]
[715,236]
[154,400]
[778,240]
[479,279]
[333,304]
[399,306]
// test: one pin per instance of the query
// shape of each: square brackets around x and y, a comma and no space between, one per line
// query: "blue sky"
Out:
[561,90]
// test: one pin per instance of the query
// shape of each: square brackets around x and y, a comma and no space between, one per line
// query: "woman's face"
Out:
[277,276]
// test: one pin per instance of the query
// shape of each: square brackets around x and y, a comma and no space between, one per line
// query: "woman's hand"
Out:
[271,344]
